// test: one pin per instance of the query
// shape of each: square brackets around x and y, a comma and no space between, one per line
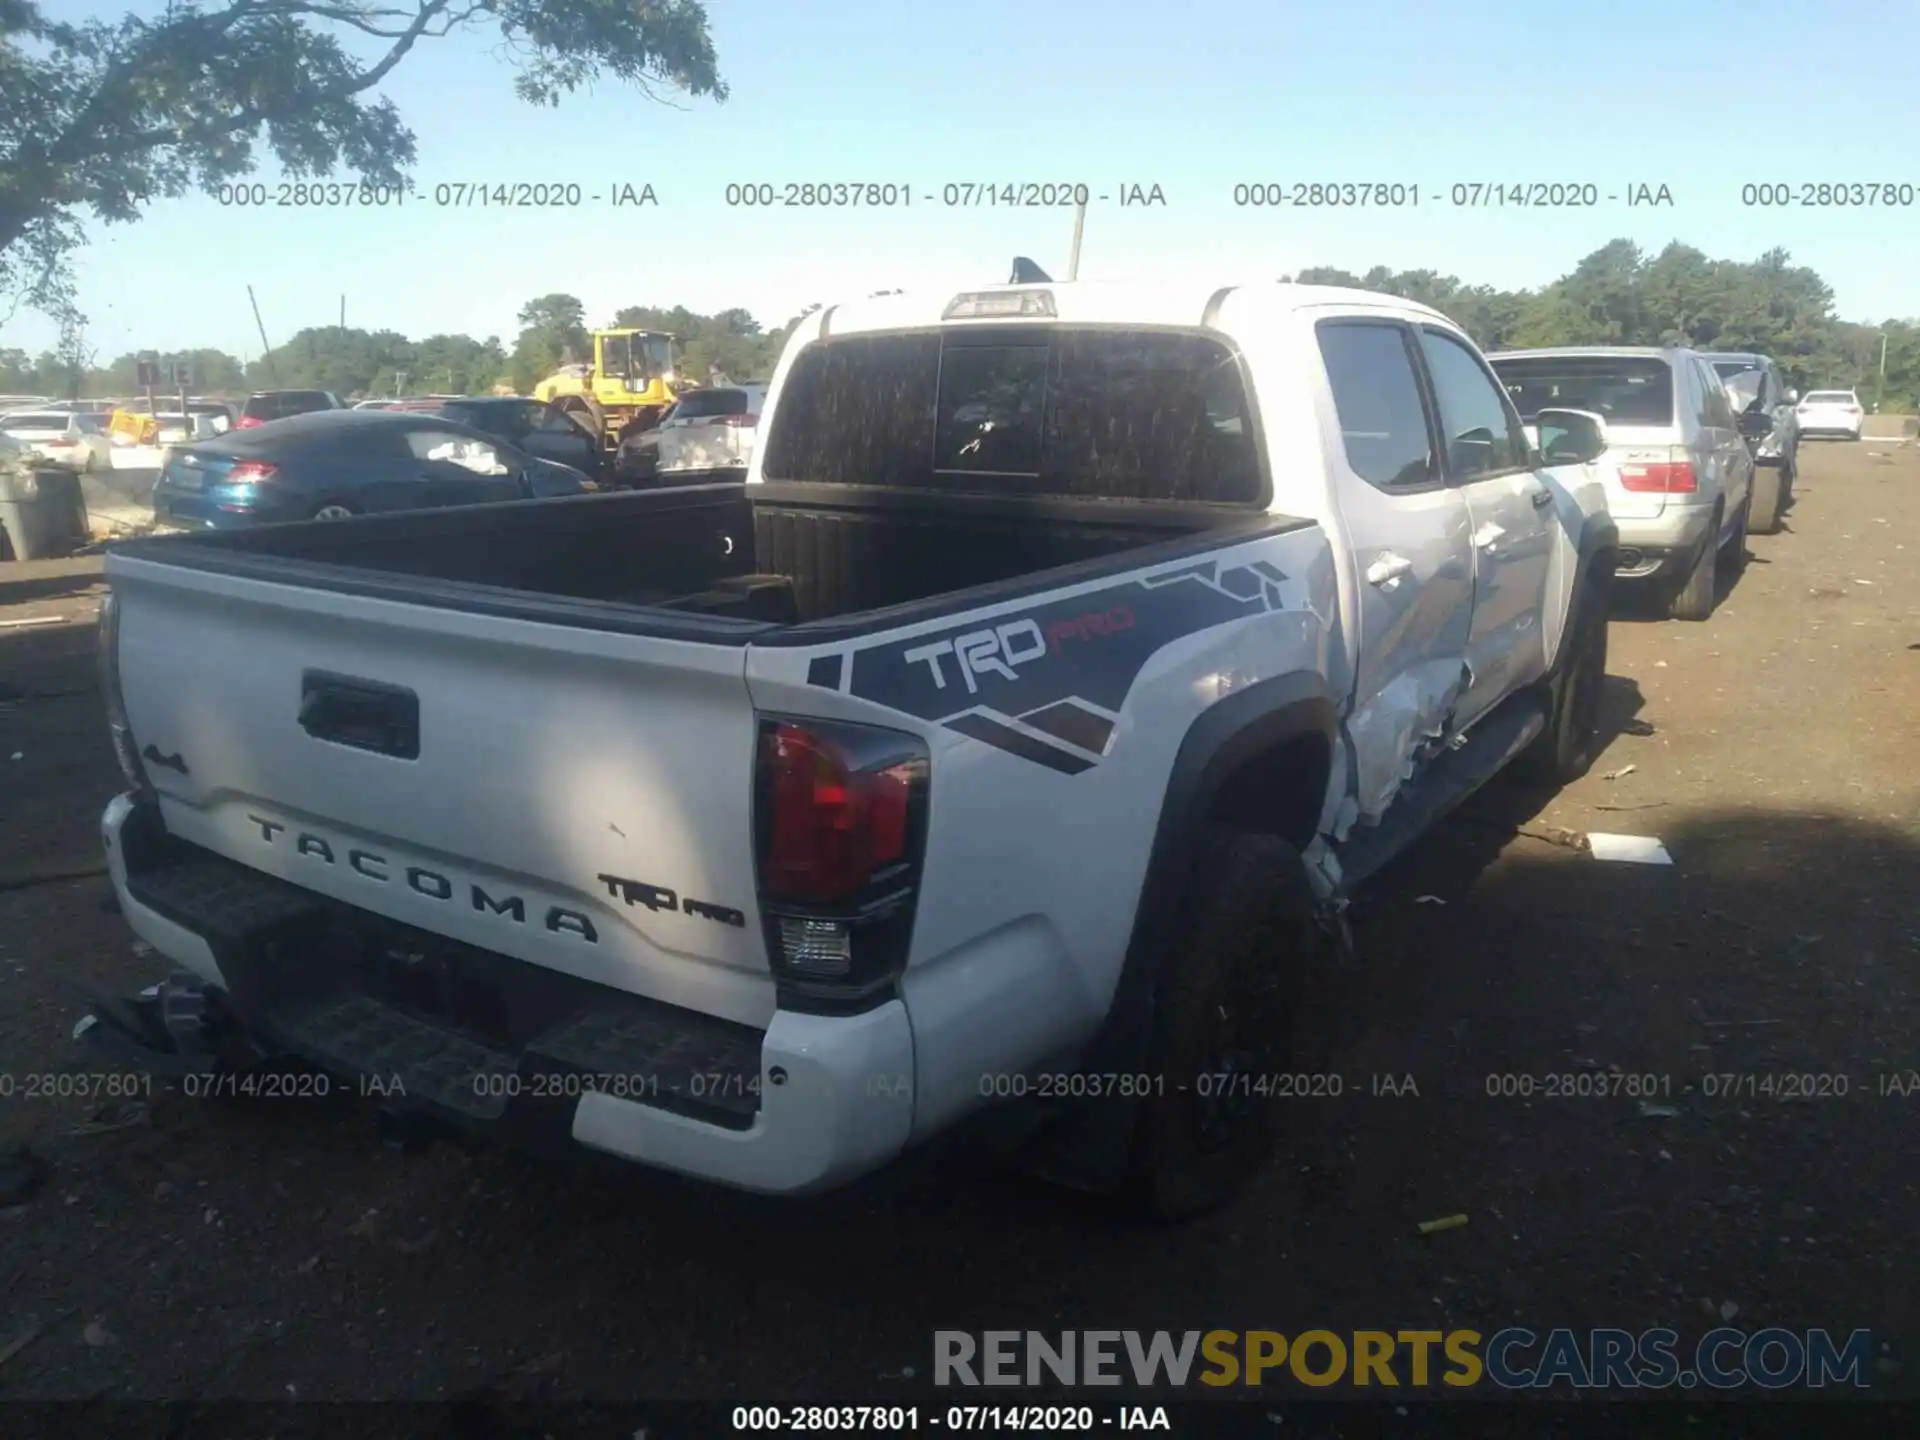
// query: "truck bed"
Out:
[716,563]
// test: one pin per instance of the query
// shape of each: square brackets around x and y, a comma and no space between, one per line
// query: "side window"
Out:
[446,448]
[1476,419]
[1383,423]
[1716,409]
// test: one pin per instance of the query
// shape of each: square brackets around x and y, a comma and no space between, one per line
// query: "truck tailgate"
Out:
[573,798]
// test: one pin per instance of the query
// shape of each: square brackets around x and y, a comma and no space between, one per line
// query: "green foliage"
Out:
[103,117]
[553,332]
[731,342]
[1620,296]
[361,363]
[1617,295]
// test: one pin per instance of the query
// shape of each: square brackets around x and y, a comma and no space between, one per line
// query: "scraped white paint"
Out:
[1393,732]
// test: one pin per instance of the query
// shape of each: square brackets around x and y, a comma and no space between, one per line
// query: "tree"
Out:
[102,118]
[553,332]
[1768,305]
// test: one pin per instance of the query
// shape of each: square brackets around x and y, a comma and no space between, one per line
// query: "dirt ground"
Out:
[216,1250]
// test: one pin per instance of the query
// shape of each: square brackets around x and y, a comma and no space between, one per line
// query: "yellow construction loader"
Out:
[634,377]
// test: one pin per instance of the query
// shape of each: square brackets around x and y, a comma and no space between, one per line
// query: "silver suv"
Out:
[1679,476]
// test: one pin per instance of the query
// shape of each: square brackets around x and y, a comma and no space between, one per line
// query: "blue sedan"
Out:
[332,464]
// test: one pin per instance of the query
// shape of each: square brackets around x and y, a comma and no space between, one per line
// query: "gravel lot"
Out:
[216,1250]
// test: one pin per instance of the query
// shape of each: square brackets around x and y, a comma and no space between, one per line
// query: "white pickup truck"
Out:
[1068,652]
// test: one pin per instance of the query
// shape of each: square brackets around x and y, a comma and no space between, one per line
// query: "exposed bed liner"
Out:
[777,563]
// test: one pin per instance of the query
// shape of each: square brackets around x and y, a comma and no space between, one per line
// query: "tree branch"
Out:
[246,119]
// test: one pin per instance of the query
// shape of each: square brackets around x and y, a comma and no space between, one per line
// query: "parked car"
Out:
[265,405]
[637,461]
[1767,418]
[531,426]
[1678,475]
[1831,412]
[712,429]
[329,465]
[941,748]
[73,438]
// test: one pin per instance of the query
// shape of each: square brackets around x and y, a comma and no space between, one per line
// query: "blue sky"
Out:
[1193,98]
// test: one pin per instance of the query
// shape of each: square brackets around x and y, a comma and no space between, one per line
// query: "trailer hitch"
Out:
[173,1028]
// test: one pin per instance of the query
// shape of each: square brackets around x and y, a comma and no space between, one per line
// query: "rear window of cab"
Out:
[1076,411]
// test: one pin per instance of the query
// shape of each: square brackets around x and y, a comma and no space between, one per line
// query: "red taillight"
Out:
[1672,477]
[737,419]
[247,422]
[830,829]
[60,442]
[251,472]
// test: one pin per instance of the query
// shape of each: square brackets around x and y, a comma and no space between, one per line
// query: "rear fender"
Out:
[1222,739]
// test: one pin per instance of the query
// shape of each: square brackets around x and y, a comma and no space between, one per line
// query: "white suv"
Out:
[712,429]
[1830,412]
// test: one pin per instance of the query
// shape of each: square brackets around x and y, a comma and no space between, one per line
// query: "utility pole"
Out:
[273,370]
[1079,226]
[343,312]
[1880,395]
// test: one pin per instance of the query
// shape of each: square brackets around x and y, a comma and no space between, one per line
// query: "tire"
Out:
[1224,1006]
[334,510]
[1567,748]
[1695,598]
[1736,547]
[1769,501]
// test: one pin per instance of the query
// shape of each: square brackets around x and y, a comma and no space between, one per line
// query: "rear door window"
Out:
[1718,409]
[1705,387]
[1083,411]
[1625,390]
[704,404]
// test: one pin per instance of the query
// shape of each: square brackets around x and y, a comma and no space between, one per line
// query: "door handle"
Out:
[1542,499]
[363,714]
[1387,568]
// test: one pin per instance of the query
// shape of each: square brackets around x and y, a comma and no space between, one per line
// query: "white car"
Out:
[76,439]
[1830,412]
[711,429]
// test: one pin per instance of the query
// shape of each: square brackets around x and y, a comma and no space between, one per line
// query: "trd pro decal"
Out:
[1048,685]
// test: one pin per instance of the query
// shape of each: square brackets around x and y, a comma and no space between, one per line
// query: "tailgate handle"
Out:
[364,714]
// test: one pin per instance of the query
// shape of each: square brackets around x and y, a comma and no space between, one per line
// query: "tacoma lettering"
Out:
[430,883]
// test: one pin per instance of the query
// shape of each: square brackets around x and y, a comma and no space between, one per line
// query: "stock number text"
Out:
[1578,1085]
[1851,195]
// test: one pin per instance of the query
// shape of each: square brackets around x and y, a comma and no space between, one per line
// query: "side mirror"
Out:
[1571,437]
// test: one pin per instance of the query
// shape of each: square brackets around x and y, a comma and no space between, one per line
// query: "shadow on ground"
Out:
[1777,944]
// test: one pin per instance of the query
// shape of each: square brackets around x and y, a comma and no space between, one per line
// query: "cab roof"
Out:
[1109,302]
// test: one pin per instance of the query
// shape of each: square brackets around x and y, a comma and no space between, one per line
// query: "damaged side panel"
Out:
[1398,732]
